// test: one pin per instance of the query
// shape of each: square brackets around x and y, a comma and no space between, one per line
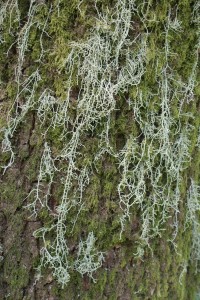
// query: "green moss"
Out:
[157,277]
[16,275]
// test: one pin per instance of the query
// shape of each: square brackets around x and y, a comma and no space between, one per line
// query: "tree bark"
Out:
[165,268]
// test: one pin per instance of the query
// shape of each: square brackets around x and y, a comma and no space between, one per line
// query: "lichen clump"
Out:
[114,60]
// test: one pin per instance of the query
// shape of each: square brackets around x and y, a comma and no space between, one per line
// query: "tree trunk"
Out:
[99,193]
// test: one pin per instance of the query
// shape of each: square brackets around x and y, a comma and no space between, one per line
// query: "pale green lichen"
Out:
[115,68]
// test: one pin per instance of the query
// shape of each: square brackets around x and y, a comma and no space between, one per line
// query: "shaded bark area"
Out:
[163,272]
[156,276]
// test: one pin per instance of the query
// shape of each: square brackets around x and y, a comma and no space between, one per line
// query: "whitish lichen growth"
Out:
[192,219]
[164,150]
[9,9]
[88,260]
[110,61]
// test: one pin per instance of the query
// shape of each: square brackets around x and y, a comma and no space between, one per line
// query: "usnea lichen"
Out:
[110,61]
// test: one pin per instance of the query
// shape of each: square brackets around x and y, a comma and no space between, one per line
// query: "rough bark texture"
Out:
[160,273]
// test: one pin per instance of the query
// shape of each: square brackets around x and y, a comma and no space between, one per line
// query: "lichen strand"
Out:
[102,145]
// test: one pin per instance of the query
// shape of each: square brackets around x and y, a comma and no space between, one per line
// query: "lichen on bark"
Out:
[101,144]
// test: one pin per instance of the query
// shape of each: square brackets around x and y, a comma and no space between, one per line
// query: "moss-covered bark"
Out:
[165,270]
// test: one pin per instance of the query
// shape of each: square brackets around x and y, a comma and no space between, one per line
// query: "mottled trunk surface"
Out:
[163,268]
